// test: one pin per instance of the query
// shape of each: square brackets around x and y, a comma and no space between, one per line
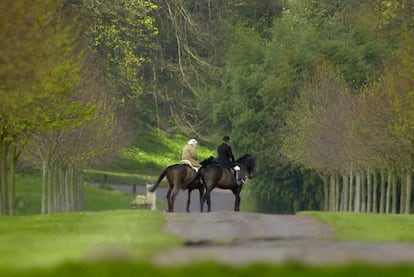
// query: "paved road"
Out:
[243,238]
[221,200]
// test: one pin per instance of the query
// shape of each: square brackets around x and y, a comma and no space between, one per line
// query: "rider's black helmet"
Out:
[226,138]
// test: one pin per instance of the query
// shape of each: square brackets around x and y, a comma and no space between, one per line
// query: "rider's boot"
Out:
[239,181]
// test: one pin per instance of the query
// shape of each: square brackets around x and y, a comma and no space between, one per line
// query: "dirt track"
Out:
[243,238]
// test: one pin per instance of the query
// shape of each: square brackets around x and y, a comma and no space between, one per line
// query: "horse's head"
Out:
[249,163]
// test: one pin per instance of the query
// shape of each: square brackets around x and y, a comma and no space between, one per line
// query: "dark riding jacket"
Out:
[225,156]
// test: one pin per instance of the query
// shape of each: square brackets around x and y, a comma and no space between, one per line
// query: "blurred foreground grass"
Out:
[83,237]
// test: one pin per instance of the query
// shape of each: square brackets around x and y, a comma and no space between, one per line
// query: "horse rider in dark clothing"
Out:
[226,158]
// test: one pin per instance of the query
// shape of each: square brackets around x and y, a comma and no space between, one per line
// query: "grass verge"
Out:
[29,242]
[368,227]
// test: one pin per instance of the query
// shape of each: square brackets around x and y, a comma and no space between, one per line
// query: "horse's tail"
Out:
[157,183]
[200,174]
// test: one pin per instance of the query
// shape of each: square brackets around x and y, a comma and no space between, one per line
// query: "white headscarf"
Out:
[193,142]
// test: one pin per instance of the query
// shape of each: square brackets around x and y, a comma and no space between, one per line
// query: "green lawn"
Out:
[97,198]
[51,240]
[142,162]
[369,227]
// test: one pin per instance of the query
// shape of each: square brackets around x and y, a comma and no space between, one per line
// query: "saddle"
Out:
[187,162]
[236,174]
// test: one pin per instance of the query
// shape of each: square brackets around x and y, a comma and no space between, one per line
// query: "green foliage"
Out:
[400,80]
[265,74]
[121,33]
[40,69]
[42,53]
[239,103]
[292,189]
[206,67]
[261,77]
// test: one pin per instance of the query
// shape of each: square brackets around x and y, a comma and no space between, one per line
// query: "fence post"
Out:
[152,197]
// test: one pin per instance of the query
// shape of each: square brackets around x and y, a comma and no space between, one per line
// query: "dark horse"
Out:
[214,176]
[181,176]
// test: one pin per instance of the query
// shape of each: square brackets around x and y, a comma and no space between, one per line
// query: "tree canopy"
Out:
[321,92]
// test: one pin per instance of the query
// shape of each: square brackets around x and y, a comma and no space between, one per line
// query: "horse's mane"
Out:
[245,156]
[248,161]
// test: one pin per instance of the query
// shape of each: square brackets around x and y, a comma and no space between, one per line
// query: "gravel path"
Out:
[243,238]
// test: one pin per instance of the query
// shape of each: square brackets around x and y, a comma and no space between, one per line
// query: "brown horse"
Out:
[181,176]
[214,176]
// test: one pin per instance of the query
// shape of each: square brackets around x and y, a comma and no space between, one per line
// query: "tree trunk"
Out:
[388,196]
[369,191]
[70,188]
[59,191]
[394,193]
[12,180]
[62,189]
[332,193]
[375,193]
[351,191]
[54,183]
[4,150]
[383,193]
[64,183]
[81,202]
[403,191]
[345,193]
[45,192]
[357,201]
[363,193]
[407,209]
[337,192]
[325,193]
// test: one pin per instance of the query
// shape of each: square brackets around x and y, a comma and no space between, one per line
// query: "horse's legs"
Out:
[172,198]
[207,198]
[201,190]
[188,201]
[168,199]
[236,193]
[202,203]
[203,199]
[209,202]
[237,200]
[237,203]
